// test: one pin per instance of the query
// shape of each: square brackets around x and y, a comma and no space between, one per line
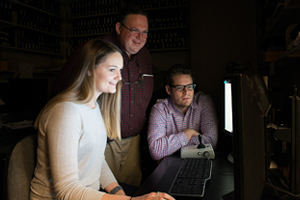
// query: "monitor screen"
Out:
[228,127]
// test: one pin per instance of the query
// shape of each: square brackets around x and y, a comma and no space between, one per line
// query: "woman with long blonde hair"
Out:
[72,132]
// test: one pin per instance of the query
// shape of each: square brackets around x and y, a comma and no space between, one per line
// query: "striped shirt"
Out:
[167,123]
[135,96]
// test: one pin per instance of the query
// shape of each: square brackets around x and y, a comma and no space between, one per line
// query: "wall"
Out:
[221,31]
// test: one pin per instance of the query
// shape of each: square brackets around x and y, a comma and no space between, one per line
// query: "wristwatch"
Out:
[116,189]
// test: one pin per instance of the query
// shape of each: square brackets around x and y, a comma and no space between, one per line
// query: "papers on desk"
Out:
[18,125]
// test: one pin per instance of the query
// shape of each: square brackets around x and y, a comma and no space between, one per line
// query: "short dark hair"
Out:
[174,70]
[130,9]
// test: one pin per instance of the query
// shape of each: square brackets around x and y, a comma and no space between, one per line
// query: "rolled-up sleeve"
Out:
[208,122]
[162,144]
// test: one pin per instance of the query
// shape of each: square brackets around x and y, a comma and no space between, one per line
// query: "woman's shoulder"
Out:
[66,105]
[72,108]
[66,108]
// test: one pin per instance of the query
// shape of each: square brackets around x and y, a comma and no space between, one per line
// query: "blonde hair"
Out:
[80,89]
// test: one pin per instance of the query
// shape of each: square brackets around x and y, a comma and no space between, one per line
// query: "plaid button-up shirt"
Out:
[135,96]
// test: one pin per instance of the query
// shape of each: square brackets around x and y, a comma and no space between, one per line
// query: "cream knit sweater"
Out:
[70,154]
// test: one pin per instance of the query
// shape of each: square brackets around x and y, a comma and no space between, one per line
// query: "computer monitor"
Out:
[245,119]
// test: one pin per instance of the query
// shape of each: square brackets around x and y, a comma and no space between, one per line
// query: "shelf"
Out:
[33,72]
[5,25]
[89,8]
[292,3]
[8,71]
[37,9]
[271,56]
[164,7]
[168,49]
[32,51]
[31,29]
[278,21]
[295,52]
[289,59]
[105,33]
[45,32]
[91,16]
[167,28]
[89,35]
[277,26]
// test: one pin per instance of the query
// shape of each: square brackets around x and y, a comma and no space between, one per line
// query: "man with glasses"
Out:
[177,121]
[130,35]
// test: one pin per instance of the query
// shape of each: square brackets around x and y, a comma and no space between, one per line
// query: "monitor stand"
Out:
[229,196]
[230,157]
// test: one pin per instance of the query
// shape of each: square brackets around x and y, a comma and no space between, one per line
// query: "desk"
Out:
[221,182]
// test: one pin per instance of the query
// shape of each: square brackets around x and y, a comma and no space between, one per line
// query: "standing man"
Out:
[130,35]
[178,120]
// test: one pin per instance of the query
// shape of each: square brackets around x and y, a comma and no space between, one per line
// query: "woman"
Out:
[72,134]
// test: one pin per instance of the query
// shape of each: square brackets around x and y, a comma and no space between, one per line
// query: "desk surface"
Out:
[222,178]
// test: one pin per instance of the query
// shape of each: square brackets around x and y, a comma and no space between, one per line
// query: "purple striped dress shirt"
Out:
[167,123]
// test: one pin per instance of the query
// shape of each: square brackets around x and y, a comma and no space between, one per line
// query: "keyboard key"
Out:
[192,177]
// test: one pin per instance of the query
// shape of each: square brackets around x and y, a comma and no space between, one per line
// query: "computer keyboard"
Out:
[192,177]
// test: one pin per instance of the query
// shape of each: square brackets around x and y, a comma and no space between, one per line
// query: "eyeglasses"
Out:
[136,33]
[180,88]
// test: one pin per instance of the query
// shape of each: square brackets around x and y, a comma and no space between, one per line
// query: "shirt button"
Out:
[132,88]
[131,115]
[132,102]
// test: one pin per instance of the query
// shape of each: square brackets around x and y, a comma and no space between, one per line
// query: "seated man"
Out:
[177,121]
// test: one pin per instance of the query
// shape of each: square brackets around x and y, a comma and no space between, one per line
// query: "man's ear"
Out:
[168,89]
[118,28]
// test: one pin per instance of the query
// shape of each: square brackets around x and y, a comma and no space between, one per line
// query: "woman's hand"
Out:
[149,196]
[154,195]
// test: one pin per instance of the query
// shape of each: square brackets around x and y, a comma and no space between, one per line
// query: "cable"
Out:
[284,191]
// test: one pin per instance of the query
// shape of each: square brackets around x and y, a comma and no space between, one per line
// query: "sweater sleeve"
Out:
[107,176]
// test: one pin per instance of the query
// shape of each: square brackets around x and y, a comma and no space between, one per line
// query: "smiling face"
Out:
[182,100]
[132,44]
[108,74]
